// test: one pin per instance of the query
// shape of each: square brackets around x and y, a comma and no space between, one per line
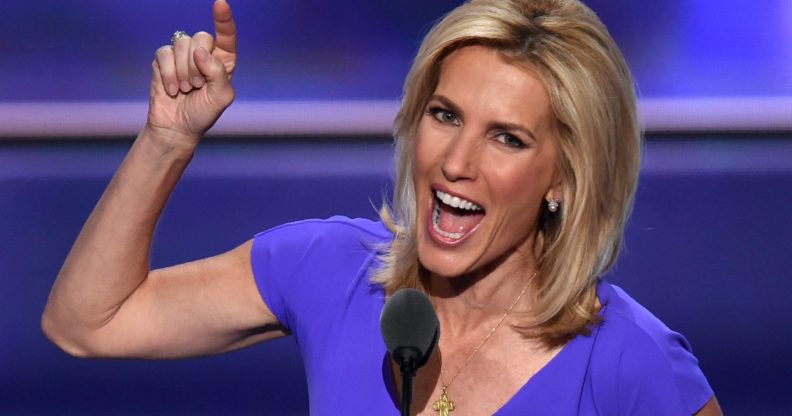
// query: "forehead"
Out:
[480,79]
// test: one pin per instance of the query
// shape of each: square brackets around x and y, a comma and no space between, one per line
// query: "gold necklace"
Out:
[444,404]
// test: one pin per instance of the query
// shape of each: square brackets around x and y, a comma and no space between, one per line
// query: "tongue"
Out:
[454,220]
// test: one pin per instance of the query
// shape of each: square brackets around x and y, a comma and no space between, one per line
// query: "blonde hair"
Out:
[598,139]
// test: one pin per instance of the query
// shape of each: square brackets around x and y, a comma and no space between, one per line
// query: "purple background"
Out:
[67,50]
[707,248]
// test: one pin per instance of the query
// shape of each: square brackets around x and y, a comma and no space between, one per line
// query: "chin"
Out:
[441,262]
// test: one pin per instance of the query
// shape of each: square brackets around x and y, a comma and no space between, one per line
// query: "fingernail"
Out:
[197,82]
[185,86]
[172,90]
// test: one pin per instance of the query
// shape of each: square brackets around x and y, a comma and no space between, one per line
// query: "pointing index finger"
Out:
[225,28]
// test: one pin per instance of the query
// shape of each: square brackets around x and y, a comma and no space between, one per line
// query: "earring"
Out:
[552,205]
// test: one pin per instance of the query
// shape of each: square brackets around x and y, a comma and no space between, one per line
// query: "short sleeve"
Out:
[660,378]
[273,257]
[299,267]
[640,366]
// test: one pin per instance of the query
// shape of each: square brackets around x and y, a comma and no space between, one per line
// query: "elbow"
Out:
[58,335]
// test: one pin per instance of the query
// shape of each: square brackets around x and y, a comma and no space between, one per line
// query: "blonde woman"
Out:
[517,161]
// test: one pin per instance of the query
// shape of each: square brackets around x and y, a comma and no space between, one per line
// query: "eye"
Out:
[444,116]
[510,140]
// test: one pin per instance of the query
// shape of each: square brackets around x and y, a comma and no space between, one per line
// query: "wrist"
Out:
[169,143]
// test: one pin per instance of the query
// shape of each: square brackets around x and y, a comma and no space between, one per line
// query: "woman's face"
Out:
[485,156]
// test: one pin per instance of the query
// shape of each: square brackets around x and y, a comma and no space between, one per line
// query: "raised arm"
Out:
[106,302]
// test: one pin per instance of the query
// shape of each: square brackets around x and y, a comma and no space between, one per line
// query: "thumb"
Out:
[218,83]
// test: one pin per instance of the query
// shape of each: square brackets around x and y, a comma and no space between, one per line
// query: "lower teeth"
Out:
[436,225]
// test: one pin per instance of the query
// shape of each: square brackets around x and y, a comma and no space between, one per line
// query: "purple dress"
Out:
[314,276]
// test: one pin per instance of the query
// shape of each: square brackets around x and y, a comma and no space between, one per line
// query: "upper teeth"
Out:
[456,202]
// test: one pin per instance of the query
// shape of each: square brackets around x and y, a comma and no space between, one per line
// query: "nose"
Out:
[460,158]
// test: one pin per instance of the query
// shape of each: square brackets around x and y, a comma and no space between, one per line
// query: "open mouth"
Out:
[453,217]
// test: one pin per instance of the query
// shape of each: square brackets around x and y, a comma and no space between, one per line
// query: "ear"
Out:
[556,192]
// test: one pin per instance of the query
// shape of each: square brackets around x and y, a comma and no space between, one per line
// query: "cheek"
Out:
[419,156]
[421,169]
[513,180]
[521,185]
[424,154]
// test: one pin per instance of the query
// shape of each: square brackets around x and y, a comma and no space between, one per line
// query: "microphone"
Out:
[410,329]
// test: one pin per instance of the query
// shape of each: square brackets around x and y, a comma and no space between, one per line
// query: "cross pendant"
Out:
[444,405]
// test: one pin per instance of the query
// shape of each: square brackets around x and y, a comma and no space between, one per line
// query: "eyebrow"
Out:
[494,125]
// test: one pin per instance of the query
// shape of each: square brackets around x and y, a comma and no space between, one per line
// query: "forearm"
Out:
[104,301]
[109,259]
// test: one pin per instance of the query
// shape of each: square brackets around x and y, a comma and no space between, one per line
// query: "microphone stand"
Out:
[407,359]
[410,329]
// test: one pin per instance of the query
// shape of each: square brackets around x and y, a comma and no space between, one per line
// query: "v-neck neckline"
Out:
[582,344]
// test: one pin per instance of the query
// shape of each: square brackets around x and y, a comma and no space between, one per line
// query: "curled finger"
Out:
[181,58]
[218,84]
[206,41]
[167,69]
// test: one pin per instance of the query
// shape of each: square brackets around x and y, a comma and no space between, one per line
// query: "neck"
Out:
[475,299]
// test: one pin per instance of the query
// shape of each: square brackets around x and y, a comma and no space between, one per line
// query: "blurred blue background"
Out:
[100,50]
[706,249]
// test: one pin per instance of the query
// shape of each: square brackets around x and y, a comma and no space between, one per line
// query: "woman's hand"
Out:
[191,82]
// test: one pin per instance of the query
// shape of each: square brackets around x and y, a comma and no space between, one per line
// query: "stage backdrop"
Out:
[318,83]
[88,50]
[707,250]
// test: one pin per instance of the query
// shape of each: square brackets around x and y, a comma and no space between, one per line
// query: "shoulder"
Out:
[336,228]
[286,245]
[645,367]
[304,266]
